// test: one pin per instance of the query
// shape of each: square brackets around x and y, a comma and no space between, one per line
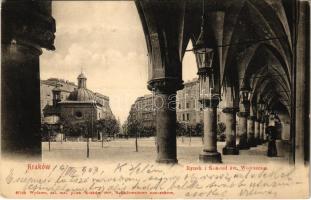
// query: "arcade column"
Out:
[264,132]
[261,132]
[243,130]
[209,153]
[165,105]
[251,131]
[257,132]
[163,34]
[230,122]
[27,27]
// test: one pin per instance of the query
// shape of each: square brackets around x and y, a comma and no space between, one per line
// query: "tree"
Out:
[221,127]
[109,126]
[70,129]
[148,131]
[199,129]
[181,130]
[134,127]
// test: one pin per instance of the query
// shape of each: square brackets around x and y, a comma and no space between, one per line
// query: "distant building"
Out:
[46,91]
[188,107]
[73,103]
[142,110]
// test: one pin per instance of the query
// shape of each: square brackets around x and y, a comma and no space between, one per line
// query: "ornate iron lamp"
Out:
[261,105]
[204,56]
[245,93]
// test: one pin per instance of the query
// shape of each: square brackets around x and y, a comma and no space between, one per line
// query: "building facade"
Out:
[143,110]
[75,104]
[188,107]
[46,91]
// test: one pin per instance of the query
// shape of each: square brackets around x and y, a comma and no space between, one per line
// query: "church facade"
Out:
[80,105]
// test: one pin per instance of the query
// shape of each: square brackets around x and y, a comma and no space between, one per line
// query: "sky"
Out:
[105,40]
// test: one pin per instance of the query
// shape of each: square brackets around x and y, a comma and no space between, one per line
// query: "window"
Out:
[78,114]
[187,105]
[188,117]
[179,106]
[183,117]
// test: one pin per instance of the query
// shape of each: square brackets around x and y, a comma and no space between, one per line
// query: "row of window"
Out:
[188,105]
[185,117]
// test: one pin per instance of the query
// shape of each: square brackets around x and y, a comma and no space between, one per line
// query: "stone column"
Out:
[165,67]
[22,40]
[165,106]
[251,131]
[261,132]
[243,130]
[264,132]
[257,132]
[230,122]
[20,99]
[209,152]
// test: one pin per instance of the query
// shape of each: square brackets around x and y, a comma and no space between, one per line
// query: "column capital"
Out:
[205,71]
[34,28]
[252,117]
[242,114]
[211,102]
[165,85]
[245,103]
[231,110]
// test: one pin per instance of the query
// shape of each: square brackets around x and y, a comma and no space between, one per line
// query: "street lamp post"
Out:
[51,120]
[50,129]
[92,130]
[87,144]
[136,144]
[61,130]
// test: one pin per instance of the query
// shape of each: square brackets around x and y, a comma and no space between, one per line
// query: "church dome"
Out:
[81,76]
[81,94]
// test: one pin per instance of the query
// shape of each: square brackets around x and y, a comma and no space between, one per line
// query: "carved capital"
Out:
[165,85]
[28,23]
[245,103]
[243,114]
[211,102]
[207,71]
[252,118]
[231,110]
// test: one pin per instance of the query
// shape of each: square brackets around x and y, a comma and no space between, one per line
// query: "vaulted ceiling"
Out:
[255,44]
[252,40]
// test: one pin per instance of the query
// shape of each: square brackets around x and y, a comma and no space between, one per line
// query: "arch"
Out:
[254,15]
[250,55]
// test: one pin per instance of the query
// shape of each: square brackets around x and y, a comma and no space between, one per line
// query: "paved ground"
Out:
[124,150]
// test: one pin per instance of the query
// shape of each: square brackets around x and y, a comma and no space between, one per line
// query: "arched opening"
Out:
[167,28]
[104,40]
[189,64]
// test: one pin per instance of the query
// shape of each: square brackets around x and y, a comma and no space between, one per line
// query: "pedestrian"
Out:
[272,150]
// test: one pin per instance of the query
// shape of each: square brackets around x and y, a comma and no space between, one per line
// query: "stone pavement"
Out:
[124,150]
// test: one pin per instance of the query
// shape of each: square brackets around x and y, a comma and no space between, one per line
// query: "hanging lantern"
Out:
[271,121]
[261,105]
[203,50]
[245,93]
[204,55]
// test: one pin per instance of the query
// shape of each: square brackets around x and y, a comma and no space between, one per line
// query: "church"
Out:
[80,105]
